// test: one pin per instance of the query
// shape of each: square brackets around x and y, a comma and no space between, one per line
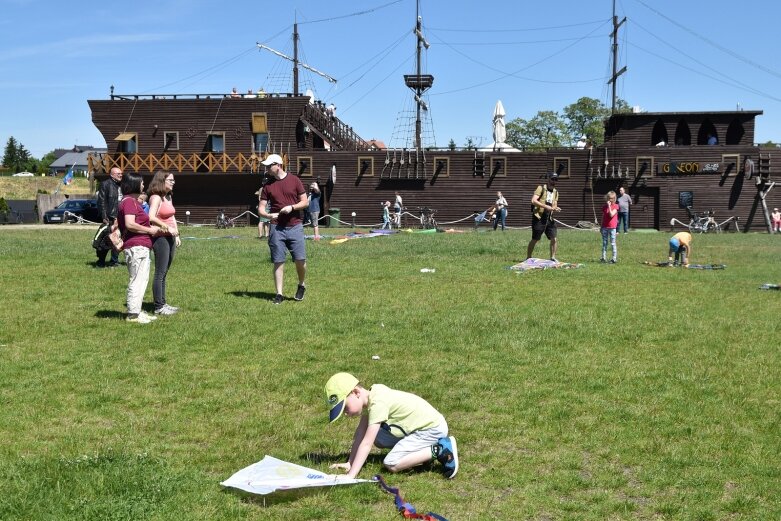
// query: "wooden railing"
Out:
[206,162]
[341,136]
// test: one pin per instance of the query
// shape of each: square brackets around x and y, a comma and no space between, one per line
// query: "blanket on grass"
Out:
[542,264]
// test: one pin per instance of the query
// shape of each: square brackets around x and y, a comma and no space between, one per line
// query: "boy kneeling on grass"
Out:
[407,424]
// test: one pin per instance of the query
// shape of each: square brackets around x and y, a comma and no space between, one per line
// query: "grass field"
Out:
[608,392]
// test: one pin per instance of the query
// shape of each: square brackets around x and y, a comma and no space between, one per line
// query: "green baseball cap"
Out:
[336,390]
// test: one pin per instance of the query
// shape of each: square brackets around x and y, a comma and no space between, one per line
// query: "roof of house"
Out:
[69,159]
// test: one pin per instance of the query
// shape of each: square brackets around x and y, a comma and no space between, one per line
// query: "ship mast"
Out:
[419,82]
[296,62]
[616,74]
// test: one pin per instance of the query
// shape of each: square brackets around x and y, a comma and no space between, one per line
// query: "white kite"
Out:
[271,474]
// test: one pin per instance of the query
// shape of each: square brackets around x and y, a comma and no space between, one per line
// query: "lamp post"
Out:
[187,213]
[353,214]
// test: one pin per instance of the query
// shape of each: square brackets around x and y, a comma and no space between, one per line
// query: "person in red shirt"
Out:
[609,225]
[287,197]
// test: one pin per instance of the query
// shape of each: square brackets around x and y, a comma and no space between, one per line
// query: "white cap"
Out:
[273,159]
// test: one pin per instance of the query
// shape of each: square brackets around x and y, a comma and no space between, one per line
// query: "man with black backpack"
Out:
[109,195]
[544,203]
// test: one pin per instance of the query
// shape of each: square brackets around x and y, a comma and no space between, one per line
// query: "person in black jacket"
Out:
[109,195]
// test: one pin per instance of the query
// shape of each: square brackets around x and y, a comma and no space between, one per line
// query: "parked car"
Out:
[85,208]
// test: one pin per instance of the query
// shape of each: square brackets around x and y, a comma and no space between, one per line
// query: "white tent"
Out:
[500,132]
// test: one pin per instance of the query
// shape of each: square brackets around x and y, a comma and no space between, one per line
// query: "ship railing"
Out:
[137,97]
[206,162]
[342,136]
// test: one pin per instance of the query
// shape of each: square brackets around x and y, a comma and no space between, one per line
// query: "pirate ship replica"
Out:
[215,142]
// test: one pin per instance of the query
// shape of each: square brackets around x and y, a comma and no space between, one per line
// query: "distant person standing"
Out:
[386,219]
[609,224]
[314,208]
[624,202]
[287,197]
[398,205]
[544,202]
[776,217]
[501,210]
[109,194]
[164,245]
[138,235]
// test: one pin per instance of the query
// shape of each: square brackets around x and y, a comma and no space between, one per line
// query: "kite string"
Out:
[406,509]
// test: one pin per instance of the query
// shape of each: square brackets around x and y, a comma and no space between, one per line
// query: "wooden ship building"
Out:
[214,144]
[211,143]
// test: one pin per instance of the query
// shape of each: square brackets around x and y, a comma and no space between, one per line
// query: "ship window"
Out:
[498,166]
[128,142]
[365,166]
[216,142]
[259,123]
[561,167]
[170,141]
[260,142]
[304,166]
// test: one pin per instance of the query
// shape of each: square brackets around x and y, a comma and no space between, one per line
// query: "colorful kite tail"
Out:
[406,510]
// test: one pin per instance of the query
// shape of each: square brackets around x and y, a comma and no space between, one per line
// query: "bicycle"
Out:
[702,223]
[427,220]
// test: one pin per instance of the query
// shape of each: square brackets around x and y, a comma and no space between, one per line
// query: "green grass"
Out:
[608,392]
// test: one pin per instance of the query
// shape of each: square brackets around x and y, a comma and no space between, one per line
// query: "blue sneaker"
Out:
[447,455]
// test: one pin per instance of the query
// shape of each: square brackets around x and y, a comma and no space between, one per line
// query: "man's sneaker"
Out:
[278,299]
[166,310]
[554,259]
[300,293]
[112,264]
[447,455]
[147,315]
[613,261]
[141,318]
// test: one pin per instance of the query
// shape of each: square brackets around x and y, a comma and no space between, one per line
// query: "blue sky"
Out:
[681,56]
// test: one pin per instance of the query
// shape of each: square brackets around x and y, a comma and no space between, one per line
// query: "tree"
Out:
[470,144]
[586,117]
[545,130]
[16,157]
[45,163]
[452,144]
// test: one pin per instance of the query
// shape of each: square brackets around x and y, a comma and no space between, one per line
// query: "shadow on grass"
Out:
[110,313]
[318,458]
[278,497]
[253,294]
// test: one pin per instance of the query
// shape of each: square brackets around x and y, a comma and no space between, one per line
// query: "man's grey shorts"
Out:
[282,239]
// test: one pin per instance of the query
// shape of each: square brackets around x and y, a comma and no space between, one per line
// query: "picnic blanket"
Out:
[542,264]
[769,285]
[359,235]
[667,264]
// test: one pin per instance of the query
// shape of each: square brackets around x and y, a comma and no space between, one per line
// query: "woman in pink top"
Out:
[609,225]
[138,234]
[161,213]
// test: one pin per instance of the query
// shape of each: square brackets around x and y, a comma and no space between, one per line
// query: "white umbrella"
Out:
[500,132]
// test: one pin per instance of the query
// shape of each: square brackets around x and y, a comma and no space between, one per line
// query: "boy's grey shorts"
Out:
[282,239]
[413,442]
